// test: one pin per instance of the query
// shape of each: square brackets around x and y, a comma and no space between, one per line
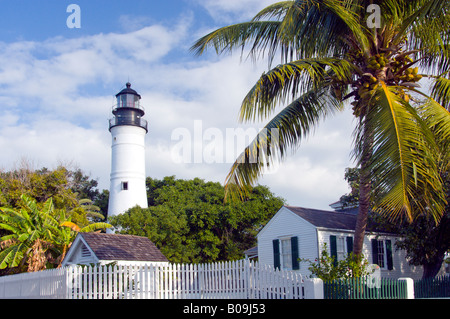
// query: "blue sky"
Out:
[57,86]
[39,20]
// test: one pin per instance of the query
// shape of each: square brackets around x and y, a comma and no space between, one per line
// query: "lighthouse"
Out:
[128,130]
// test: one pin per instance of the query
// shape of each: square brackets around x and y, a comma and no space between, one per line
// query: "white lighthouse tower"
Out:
[128,130]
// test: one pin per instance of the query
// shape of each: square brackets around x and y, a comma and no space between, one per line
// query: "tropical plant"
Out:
[37,236]
[370,54]
[328,268]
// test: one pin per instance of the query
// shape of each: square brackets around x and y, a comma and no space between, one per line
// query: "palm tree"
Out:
[37,235]
[372,55]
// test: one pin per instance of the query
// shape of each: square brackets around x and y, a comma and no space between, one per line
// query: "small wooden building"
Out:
[300,233]
[101,248]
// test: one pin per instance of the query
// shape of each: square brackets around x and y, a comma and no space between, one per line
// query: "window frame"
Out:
[286,253]
[382,254]
[341,246]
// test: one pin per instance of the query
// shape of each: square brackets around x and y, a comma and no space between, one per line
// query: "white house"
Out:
[101,248]
[296,232]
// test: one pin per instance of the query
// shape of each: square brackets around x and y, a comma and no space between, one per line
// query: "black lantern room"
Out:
[128,110]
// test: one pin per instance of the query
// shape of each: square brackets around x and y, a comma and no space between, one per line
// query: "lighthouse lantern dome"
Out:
[128,110]
[128,97]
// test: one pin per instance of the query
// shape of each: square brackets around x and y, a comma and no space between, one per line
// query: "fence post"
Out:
[313,288]
[409,285]
[246,280]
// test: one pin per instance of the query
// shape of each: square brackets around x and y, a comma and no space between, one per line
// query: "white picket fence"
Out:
[37,285]
[241,279]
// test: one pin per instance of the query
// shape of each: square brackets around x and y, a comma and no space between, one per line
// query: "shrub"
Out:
[327,268]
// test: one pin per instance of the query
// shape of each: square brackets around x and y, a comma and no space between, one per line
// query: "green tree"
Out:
[69,189]
[189,222]
[335,52]
[37,236]
[39,184]
[424,241]
[352,177]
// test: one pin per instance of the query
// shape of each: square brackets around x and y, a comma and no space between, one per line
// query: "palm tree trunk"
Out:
[364,192]
[364,206]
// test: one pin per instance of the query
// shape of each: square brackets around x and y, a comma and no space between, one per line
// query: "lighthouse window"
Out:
[125,186]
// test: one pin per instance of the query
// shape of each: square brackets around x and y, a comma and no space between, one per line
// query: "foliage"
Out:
[424,241]
[38,184]
[189,222]
[352,177]
[69,189]
[328,268]
[37,238]
[331,56]
[42,211]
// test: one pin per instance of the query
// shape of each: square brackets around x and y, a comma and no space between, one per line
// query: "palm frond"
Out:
[227,39]
[285,131]
[428,29]
[441,91]
[275,11]
[300,29]
[320,28]
[95,227]
[403,157]
[437,118]
[416,11]
[290,80]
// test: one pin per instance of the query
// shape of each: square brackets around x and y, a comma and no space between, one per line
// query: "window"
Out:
[124,186]
[382,253]
[341,253]
[285,253]
[340,246]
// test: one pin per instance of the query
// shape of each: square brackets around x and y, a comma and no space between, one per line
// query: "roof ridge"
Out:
[320,210]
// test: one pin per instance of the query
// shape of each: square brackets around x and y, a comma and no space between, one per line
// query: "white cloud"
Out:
[314,176]
[132,23]
[57,95]
[227,11]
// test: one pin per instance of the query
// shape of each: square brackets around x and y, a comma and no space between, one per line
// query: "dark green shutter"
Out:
[333,248]
[276,253]
[349,245]
[294,250]
[390,265]
[375,251]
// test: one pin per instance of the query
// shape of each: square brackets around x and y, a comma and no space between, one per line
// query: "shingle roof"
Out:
[252,252]
[122,247]
[326,219]
[330,219]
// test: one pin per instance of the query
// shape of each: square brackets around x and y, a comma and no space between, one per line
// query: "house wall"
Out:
[132,262]
[401,268]
[286,224]
[81,254]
